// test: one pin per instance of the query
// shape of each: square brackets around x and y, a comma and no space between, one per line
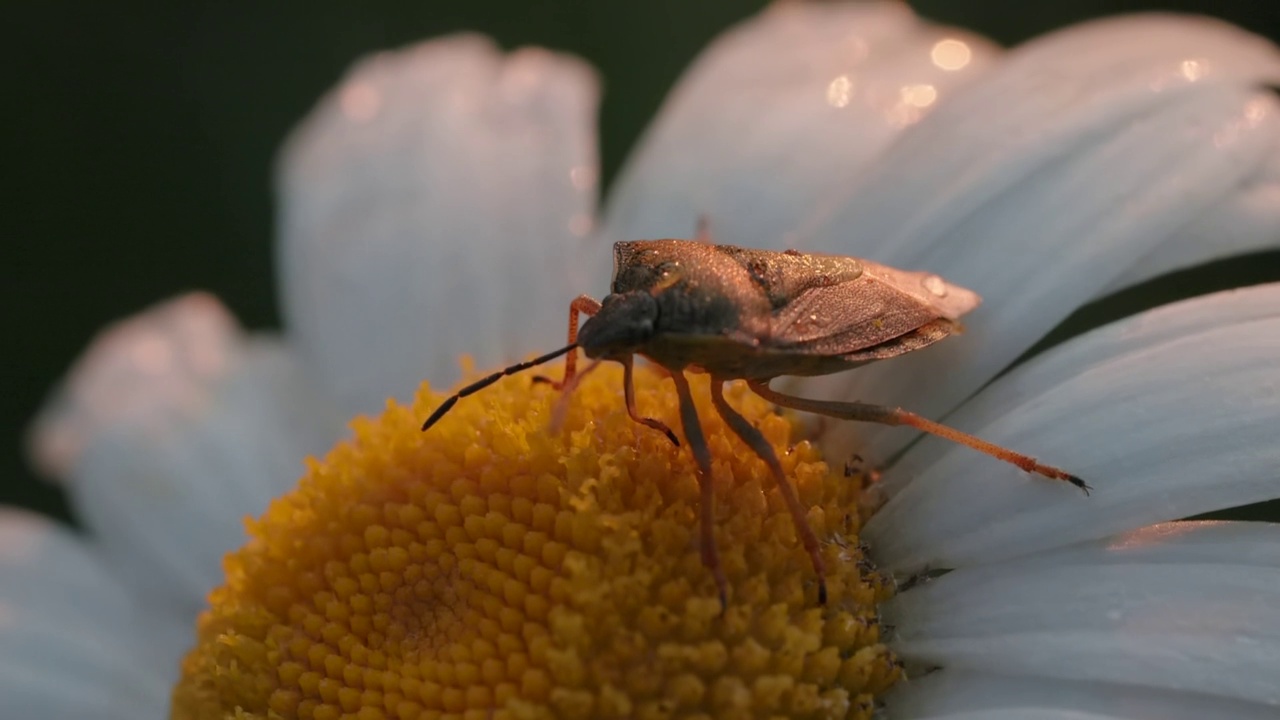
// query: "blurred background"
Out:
[141,137]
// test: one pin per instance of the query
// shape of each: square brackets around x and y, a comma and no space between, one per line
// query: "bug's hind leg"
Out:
[706,502]
[757,442]
[581,305]
[629,392]
[865,412]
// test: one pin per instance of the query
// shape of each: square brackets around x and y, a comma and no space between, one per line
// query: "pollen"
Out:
[492,568]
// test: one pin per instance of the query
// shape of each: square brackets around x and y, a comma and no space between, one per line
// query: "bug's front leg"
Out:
[865,412]
[629,392]
[757,442]
[584,305]
[706,502]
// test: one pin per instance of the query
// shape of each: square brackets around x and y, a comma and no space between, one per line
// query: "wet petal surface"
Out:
[438,201]
[173,428]
[1170,607]
[73,643]
[1155,445]
[1071,161]
[958,694]
[782,112]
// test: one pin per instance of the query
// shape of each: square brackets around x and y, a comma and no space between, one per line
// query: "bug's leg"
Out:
[702,230]
[585,305]
[865,412]
[629,392]
[561,408]
[706,503]
[756,440]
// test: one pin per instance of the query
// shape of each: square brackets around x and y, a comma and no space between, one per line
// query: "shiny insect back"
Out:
[760,314]
[744,314]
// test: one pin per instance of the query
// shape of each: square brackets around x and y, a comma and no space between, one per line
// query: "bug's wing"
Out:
[882,304]
[923,336]
[845,318]
[783,276]
[950,301]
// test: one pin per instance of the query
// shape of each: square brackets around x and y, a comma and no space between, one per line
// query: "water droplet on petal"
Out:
[935,285]
[840,91]
[951,54]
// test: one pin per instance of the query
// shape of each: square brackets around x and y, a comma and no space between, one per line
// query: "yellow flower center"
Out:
[491,569]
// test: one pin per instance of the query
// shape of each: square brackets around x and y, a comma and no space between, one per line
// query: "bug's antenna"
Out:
[491,379]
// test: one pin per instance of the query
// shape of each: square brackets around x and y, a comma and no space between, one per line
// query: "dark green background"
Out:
[139,140]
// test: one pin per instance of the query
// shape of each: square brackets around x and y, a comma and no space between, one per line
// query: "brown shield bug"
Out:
[755,315]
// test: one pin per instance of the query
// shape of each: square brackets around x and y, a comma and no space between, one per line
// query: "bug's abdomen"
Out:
[733,358]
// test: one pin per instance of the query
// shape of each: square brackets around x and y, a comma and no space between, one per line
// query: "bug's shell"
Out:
[748,313]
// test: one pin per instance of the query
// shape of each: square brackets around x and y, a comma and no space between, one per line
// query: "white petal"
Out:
[782,111]
[1183,542]
[1237,603]
[1247,220]
[1043,102]
[172,429]
[1232,667]
[437,202]
[72,644]
[1020,714]
[1044,181]
[1247,544]
[974,694]
[1135,616]
[1167,429]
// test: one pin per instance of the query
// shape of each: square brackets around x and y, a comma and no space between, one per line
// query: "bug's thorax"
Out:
[697,288]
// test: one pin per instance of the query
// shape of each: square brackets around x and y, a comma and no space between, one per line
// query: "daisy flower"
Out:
[442,200]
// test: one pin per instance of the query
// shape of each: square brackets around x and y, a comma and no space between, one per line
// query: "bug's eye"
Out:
[665,276]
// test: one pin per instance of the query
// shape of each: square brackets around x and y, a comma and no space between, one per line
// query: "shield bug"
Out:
[754,315]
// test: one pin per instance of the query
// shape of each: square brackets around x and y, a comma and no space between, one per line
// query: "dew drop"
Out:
[935,285]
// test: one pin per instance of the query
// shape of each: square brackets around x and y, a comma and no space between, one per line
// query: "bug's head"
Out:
[624,323]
